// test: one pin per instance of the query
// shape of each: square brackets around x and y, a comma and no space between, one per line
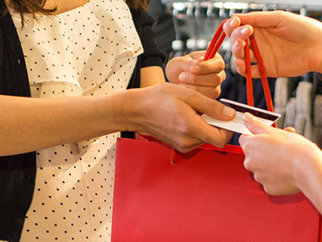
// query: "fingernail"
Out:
[245,31]
[237,46]
[183,76]
[233,22]
[228,112]
[201,58]
[248,117]
[195,68]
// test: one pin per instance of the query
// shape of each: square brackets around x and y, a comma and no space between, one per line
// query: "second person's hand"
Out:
[194,73]
[290,45]
[278,158]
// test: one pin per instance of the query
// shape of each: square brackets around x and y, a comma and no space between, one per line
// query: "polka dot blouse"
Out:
[88,51]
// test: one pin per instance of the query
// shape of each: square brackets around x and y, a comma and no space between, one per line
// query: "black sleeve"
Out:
[152,56]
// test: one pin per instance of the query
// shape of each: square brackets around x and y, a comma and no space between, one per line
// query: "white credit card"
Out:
[237,124]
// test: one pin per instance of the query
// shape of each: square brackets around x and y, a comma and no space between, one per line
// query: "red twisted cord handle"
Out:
[213,48]
[211,52]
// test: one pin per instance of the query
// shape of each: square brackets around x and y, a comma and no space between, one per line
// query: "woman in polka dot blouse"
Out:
[79,57]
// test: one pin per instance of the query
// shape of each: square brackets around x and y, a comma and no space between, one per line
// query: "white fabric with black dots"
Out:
[91,50]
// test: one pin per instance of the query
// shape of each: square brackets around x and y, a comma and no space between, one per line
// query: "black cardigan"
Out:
[18,172]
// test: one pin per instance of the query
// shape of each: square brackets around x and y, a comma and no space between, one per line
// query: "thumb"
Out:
[254,125]
[211,107]
[290,129]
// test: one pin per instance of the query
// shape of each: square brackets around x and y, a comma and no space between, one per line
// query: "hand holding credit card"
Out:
[237,124]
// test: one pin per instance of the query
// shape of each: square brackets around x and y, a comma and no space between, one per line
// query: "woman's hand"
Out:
[170,113]
[279,159]
[192,72]
[290,45]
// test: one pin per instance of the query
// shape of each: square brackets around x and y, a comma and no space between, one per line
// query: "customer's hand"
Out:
[170,113]
[290,45]
[278,158]
[192,72]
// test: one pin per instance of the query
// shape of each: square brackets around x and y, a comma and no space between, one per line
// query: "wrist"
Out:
[319,70]
[131,109]
[318,50]
[117,112]
[319,60]
[309,169]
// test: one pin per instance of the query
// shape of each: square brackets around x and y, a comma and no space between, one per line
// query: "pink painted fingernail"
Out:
[195,68]
[245,31]
[228,112]
[183,76]
[248,117]
[233,22]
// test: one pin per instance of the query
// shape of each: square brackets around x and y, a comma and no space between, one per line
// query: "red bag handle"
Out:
[212,50]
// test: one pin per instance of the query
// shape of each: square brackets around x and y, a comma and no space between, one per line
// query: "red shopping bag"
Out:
[206,195]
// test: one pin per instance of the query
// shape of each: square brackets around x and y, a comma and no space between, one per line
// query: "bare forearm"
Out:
[310,181]
[29,124]
[151,76]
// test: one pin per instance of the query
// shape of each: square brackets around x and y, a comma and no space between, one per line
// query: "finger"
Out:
[207,133]
[208,106]
[214,65]
[185,146]
[290,129]
[238,50]
[261,19]
[183,63]
[242,32]
[247,164]
[215,136]
[197,54]
[211,92]
[241,69]
[231,25]
[246,143]
[255,126]
[200,129]
[210,80]
[242,139]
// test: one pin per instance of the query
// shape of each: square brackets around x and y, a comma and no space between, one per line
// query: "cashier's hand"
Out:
[194,73]
[290,44]
[275,156]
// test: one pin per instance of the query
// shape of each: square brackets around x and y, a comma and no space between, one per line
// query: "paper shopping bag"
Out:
[207,195]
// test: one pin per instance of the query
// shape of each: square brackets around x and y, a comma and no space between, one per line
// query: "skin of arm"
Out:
[151,76]
[189,71]
[282,37]
[283,162]
[32,124]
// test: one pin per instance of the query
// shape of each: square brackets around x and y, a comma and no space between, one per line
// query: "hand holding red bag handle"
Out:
[283,162]
[211,52]
[291,45]
[213,48]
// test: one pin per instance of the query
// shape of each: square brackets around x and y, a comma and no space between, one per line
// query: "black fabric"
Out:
[17,173]
[152,56]
[163,26]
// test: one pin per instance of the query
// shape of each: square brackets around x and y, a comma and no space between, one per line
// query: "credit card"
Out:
[237,124]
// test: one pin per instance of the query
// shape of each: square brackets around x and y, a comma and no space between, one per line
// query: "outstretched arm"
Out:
[283,162]
[168,112]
